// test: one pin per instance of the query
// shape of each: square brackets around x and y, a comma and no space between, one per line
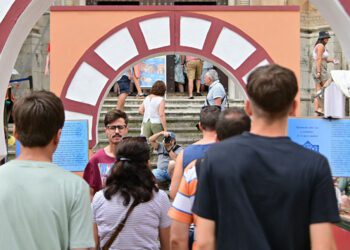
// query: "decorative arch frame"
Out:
[216,40]
[17,18]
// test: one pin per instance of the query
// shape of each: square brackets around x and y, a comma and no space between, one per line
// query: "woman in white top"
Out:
[153,111]
[319,69]
[131,182]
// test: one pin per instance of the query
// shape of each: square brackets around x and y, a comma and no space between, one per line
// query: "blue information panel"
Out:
[328,137]
[152,70]
[72,152]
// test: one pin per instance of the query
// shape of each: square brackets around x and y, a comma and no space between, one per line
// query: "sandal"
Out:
[319,113]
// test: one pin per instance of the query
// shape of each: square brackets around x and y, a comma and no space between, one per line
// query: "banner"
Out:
[152,70]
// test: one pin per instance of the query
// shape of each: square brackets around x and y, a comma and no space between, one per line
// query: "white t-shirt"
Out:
[141,230]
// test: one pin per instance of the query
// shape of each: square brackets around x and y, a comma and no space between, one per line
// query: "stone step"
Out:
[169,101]
[172,122]
[177,107]
[168,113]
[176,130]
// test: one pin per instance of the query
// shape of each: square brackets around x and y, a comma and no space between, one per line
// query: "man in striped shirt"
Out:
[232,121]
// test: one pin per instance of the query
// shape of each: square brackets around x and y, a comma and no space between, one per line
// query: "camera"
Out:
[167,139]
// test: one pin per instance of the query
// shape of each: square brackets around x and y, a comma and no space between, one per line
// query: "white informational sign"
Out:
[328,137]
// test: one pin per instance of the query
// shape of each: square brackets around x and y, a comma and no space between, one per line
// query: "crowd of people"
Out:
[243,185]
[189,71]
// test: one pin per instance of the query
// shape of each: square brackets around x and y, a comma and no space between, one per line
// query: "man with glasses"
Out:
[97,169]
[260,190]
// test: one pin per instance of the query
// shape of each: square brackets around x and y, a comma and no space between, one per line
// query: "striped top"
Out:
[181,209]
[141,230]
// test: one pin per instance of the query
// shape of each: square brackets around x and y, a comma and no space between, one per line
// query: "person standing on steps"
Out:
[320,74]
[194,71]
[124,89]
[216,94]
[153,110]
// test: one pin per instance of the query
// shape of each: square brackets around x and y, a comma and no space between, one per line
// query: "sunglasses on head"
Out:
[211,107]
[136,138]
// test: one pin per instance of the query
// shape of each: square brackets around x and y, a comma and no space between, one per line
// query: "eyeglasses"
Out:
[114,127]
[136,138]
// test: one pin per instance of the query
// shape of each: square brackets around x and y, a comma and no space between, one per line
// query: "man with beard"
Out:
[97,169]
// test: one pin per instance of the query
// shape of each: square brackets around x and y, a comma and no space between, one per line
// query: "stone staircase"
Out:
[182,115]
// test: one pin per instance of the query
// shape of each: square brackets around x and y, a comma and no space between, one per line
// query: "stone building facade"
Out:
[32,58]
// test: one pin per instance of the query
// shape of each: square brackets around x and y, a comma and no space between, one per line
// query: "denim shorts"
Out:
[161,174]
[124,84]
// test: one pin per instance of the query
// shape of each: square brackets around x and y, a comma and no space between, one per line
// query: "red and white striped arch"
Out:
[182,32]
[17,18]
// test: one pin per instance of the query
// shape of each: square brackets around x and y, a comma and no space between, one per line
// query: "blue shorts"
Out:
[161,174]
[124,84]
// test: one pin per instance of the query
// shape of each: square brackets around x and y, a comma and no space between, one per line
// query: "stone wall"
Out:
[32,58]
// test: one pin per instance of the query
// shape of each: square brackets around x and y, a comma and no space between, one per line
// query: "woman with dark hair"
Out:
[319,69]
[153,111]
[131,183]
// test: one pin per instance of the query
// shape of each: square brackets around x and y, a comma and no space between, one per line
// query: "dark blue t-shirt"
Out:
[193,152]
[264,192]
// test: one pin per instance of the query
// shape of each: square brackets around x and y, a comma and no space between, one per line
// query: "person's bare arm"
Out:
[217,101]
[172,155]
[319,52]
[164,238]
[162,115]
[177,175]
[153,139]
[179,235]
[97,239]
[142,109]
[322,237]
[205,234]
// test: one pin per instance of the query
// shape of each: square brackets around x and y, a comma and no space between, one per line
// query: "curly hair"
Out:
[131,175]
[158,88]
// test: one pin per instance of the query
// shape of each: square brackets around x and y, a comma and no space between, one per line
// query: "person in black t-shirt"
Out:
[260,190]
